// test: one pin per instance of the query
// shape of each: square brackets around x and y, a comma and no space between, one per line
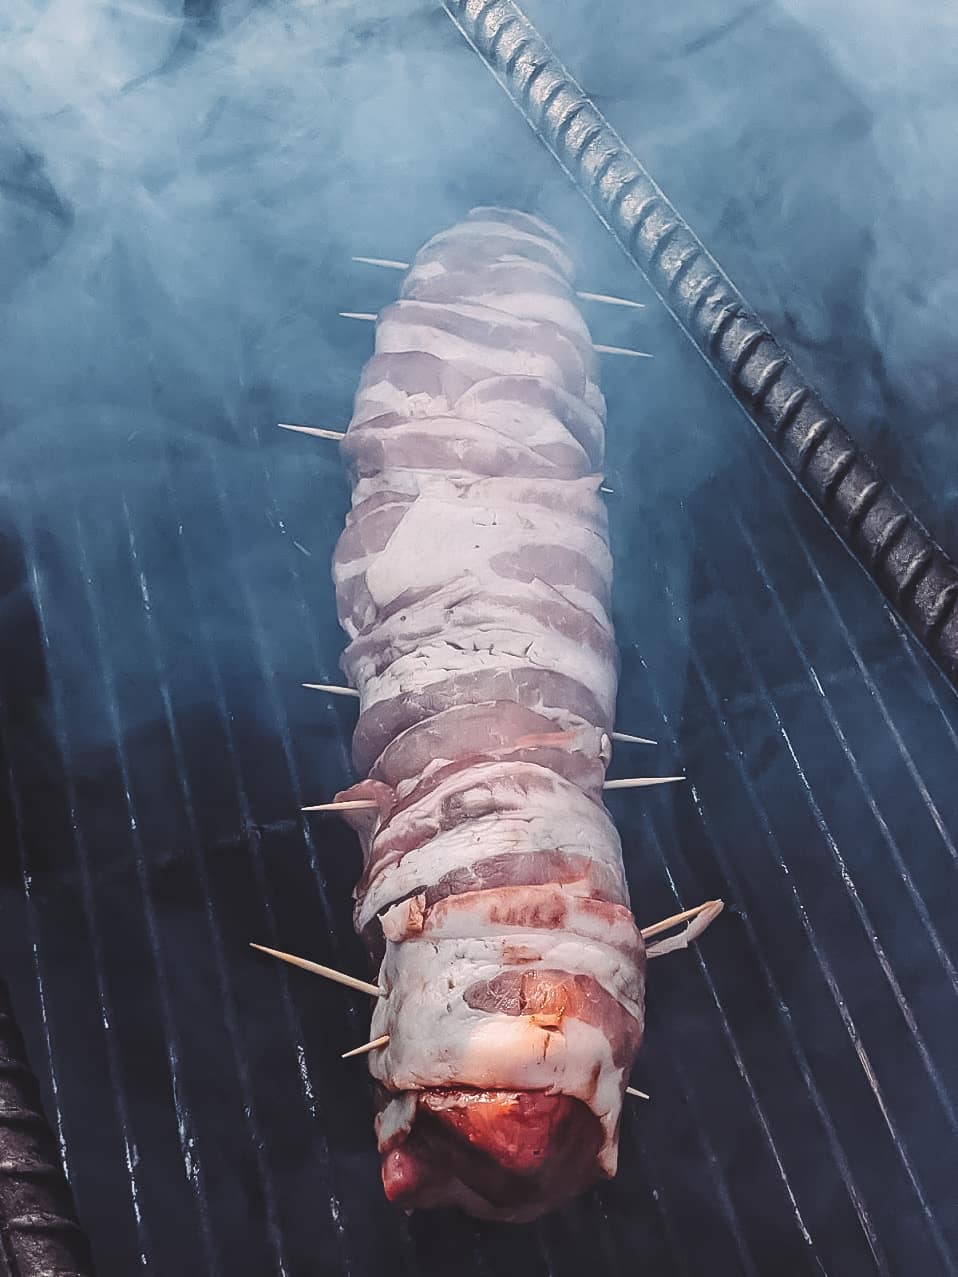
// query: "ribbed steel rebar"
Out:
[39,1233]
[913,572]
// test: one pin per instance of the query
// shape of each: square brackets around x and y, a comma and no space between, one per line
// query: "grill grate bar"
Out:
[651,840]
[544,1249]
[822,961]
[90,910]
[888,837]
[309,629]
[716,1172]
[185,1123]
[847,879]
[660,1197]
[271,685]
[797,1051]
[224,982]
[872,686]
[246,815]
[742,1069]
[850,1028]
[319,667]
[603,1233]
[835,991]
[281,722]
[832,680]
[290,1014]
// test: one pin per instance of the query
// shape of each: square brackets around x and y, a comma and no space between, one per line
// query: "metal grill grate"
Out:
[158,746]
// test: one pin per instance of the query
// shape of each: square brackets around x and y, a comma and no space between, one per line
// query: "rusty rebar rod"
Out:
[39,1232]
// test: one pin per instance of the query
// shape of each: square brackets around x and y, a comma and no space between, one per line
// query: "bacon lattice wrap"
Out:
[473,579]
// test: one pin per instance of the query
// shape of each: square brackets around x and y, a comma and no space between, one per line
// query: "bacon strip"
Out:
[473,580]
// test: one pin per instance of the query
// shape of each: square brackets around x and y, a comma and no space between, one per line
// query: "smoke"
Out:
[900,60]
[808,143]
[183,185]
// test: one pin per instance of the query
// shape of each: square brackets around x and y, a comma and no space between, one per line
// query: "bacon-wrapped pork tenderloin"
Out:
[473,580]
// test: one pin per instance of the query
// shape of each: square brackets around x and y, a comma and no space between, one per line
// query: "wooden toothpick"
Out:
[697,919]
[390,264]
[608,300]
[368,804]
[367,1047]
[349,804]
[371,318]
[318,431]
[350,981]
[639,782]
[334,688]
[630,1090]
[622,350]
[685,916]
[633,740]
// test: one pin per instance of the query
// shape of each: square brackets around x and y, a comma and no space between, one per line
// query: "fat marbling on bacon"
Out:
[473,581]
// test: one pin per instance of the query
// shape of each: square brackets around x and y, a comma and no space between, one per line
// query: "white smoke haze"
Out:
[184,184]
[180,198]
[902,60]
[809,144]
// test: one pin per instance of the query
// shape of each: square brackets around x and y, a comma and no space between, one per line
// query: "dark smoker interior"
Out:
[182,188]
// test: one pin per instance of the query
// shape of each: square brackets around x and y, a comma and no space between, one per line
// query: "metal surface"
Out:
[165,593]
[39,1233]
[863,508]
